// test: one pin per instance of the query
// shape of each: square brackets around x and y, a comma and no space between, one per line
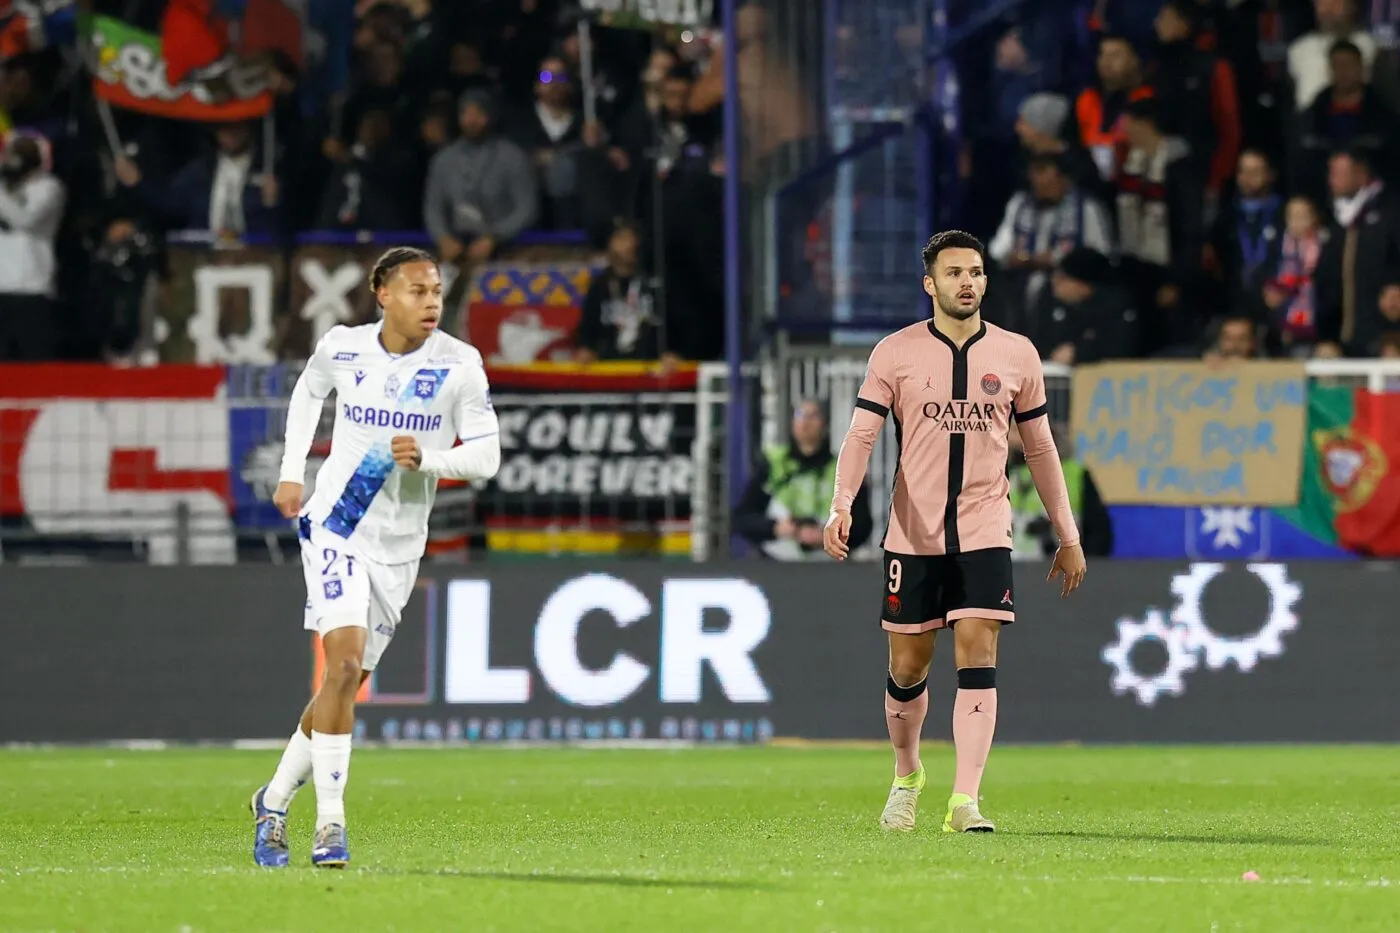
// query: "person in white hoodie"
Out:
[31,210]
[1308,56]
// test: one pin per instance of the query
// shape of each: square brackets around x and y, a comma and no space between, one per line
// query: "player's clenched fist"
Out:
[287,498]
[406,452]
[836,534]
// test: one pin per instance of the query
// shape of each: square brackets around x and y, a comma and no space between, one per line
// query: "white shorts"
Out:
[344,589]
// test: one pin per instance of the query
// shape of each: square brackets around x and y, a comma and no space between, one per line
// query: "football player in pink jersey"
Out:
[953,384]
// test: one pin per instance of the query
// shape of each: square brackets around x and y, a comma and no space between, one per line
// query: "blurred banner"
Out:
[1150,651]
[596,459]
[225,305]
[130,70]
[645,14]
[1192,433]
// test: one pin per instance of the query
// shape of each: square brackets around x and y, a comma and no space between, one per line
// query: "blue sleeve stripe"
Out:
[369,477]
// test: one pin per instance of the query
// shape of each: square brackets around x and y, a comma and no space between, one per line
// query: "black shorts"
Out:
[923,593]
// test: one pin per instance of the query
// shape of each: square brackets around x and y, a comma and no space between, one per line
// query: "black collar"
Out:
[981,332]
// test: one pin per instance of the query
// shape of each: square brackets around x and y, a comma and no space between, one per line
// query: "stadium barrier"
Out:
[722,652]
[833,376]
[178,464]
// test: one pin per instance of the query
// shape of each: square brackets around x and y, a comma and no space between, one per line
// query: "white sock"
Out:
[293,771]
[330,765]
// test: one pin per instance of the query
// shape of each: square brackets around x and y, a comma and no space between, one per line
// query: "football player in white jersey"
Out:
[405,394]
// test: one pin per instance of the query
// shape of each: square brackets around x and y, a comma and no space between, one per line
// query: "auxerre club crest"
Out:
[1352,466]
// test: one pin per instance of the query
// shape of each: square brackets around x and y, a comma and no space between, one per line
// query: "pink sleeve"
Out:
[872,406]
[1042,458]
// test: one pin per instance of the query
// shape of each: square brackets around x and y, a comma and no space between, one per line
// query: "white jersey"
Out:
[437,394]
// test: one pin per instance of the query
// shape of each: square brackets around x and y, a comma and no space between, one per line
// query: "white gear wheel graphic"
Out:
[1181,659]
[1244,651]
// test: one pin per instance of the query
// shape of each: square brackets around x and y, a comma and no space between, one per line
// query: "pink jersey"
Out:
[952,410]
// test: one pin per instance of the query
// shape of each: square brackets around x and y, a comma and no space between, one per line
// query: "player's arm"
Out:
[478,456]
[1043,460]
[872,407]
[316,382]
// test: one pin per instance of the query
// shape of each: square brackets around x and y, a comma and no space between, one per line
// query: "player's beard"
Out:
[954,310]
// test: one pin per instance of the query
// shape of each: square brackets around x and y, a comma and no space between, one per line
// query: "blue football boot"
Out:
[331,849]
[269,834]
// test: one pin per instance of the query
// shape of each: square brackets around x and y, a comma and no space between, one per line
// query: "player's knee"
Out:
[343,673]
[908,672]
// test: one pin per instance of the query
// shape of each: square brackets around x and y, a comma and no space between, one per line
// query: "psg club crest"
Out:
[893,607]
[1352,466]
[991,384]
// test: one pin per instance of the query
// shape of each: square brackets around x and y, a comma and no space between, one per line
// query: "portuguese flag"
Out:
[1350,494]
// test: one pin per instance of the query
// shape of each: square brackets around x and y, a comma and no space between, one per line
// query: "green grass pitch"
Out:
[723,839]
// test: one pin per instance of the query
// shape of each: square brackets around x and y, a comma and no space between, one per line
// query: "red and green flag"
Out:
[130,71]
[1350,493]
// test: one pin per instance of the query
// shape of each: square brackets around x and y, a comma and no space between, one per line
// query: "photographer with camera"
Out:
[31,210]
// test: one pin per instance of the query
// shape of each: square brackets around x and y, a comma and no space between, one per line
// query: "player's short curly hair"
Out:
[385,266]
[950,239]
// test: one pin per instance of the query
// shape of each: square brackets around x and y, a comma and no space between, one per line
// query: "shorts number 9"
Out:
[896,575]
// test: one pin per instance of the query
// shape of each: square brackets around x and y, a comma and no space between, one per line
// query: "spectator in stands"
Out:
[25,100]
[382,89]
[1360,263]
[466,69]
[1347,114]
[1132,19]
[1245,240]
[1027,61]
[31,210]
[1085,316]
[621,319]
[1032,535]
[1041,128]
[123,255]
[437,126]
[481,189]
[675,132]
[225,191]
[550,134]
[1291,295]
[1044,223]
[1236,338]
[694,257]
[373,187]
[785,505]
[1160,228]
[1308,56]
[1099,108]
[1196,94]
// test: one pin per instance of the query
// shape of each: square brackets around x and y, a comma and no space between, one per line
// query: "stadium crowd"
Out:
[463,119]
[1223,184]
[1217,184]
